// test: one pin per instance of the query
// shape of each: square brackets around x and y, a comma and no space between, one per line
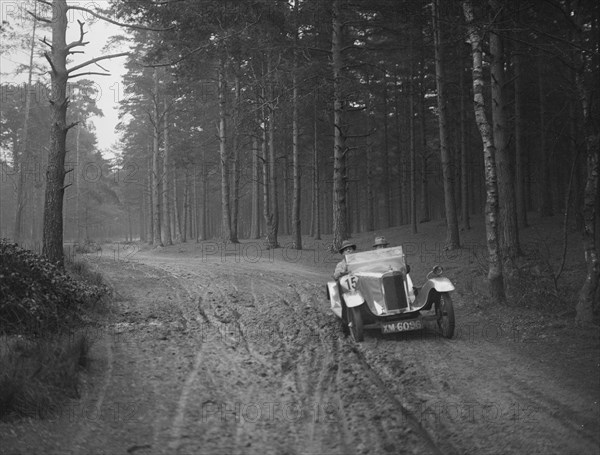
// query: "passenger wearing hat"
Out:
[341,268]
[380,242]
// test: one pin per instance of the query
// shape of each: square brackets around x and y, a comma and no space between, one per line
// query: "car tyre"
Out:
[344,320]
[355,324]
[444,311]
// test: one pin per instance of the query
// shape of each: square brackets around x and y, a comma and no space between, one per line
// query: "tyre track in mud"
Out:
[485,399]
[324,374]
[248,358]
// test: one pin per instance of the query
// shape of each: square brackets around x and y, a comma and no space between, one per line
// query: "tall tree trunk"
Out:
[413,153]
[166,178]
[235,203]
[519,88]
[194,205]
[385,181]
[286,192]
[176,211]
[545,195]
[316,176]
[203,227]
[464,166]
[77,181]
[184,223]
[495,275]
[149,190]
[401,175]
[340,231]
[23,157]
[296,222]
[273,226]
[142,218]
[156,178]
[509,238]
[370,217]
[224,157]
[55,173]
[452,237]
[587,300]
[425,212]
[255,226]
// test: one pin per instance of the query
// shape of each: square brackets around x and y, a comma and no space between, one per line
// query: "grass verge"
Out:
[43,341]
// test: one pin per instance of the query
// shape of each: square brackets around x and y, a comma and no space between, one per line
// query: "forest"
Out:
[263,118]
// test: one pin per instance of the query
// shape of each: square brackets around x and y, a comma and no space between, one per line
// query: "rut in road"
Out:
[287,381]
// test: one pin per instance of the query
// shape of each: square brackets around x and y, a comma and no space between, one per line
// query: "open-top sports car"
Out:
[378,293]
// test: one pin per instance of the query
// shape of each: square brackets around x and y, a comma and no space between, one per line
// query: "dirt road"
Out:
[212,356]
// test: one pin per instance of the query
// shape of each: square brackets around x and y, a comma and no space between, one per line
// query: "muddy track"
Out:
[239,358]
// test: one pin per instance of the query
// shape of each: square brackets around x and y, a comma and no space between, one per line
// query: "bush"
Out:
[37,297]
[37,374]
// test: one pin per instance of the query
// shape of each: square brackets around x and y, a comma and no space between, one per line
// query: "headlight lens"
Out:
[438,270]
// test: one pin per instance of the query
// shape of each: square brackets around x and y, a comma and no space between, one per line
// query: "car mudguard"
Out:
[438,284]
[334,298]
[353,299]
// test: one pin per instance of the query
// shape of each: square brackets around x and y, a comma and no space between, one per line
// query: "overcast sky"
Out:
[98,32]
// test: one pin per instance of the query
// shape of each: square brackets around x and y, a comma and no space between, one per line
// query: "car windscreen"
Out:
[377,261]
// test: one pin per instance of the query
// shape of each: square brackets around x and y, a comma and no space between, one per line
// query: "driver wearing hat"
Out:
[341,268]
[380,242]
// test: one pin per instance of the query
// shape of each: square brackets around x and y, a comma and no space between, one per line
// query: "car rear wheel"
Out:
[444,311]
[355,324]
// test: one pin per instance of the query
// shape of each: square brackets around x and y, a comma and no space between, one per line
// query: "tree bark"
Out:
[519,88]
[150,201]
[255,227]
[413,149]
[464,167]
[386,186]
[55,173]
[224,157]
[509,239]
[495,275]
[587,300]
[166,180]
[156,196]
[184,223]
[452,237]
[340,229]
[316,176]
[425,213]
[273,225]
[176,211]
[296,203]
[235,202]
[544,191]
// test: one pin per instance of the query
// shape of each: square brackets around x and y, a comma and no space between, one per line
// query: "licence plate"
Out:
[401,326]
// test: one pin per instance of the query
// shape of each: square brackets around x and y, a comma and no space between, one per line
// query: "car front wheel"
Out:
[355,324]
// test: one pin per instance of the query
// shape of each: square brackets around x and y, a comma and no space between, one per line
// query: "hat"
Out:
[346,244]
[380,241]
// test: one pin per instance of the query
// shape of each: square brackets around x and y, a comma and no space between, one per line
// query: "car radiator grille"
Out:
[393,290]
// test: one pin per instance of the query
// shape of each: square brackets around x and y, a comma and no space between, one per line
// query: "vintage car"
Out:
[378,293]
